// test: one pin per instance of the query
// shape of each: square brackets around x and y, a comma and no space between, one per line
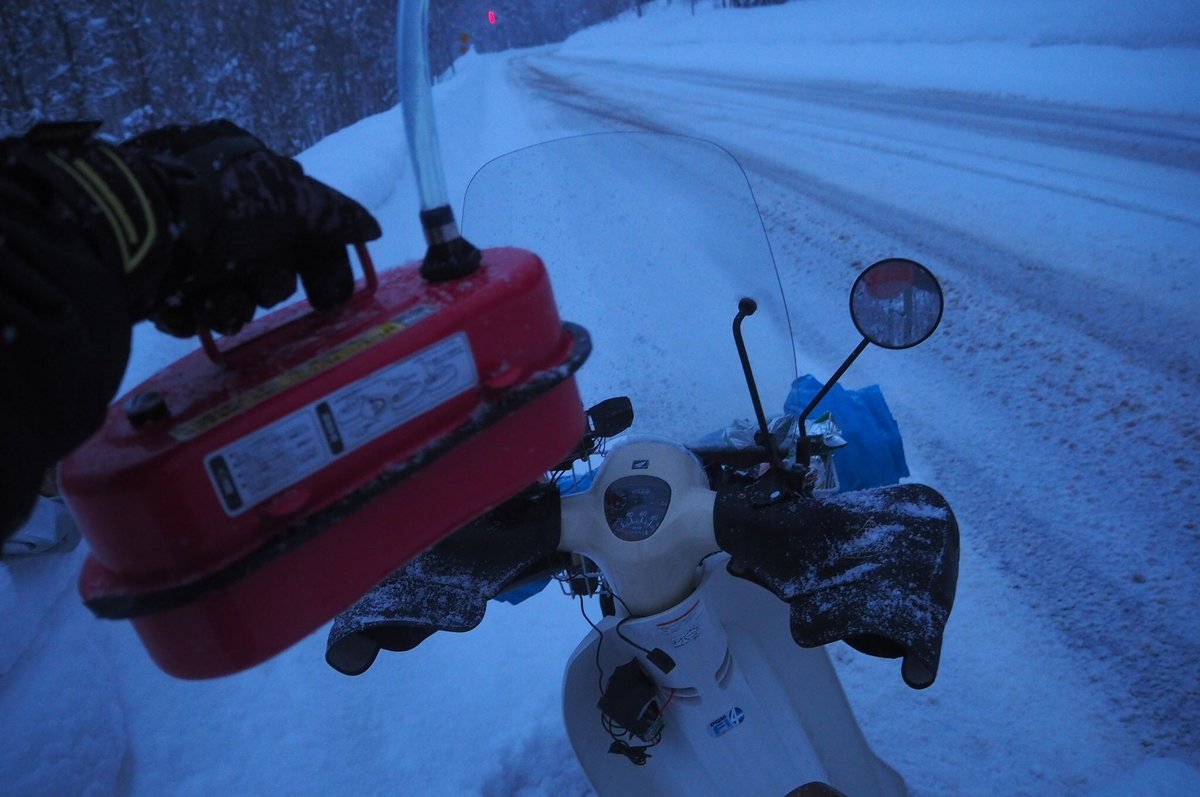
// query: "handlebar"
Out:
[746,457]
[876,568]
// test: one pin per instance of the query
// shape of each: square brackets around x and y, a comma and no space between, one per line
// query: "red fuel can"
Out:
[239,499]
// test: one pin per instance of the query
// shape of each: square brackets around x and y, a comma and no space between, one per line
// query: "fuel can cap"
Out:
[144,408]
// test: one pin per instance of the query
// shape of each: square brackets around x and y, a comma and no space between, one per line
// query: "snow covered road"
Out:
[1057,406]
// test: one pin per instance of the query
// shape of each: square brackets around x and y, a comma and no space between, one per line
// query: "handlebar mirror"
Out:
[896,303]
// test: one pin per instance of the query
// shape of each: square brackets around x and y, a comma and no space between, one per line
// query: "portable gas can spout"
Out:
[449,255]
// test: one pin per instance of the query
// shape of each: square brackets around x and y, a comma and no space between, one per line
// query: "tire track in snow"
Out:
[1162,139]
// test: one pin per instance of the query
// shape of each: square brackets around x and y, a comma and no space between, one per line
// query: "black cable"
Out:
[658,657]
[613,728]
[628,616]
[629,641]
[599,642]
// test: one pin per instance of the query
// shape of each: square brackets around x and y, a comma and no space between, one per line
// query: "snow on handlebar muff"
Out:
[235,502]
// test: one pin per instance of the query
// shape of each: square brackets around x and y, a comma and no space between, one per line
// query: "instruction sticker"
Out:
[317,365]
[273,458]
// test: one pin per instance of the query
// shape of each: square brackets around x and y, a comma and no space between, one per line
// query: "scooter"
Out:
[705,558]
[721,570]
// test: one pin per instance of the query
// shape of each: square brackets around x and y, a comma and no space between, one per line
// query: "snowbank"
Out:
[366,160]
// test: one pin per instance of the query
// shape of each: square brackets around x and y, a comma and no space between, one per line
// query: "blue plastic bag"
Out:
[874,454]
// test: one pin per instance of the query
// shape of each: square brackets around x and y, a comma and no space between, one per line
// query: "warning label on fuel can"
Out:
[278,456]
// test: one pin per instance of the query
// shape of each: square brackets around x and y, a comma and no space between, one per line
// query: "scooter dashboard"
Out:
[635,506]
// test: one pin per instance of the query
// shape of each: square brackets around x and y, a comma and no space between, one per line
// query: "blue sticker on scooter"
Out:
[728,722]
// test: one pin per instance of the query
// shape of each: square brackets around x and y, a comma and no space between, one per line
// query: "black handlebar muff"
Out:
[876,568]
[447,587]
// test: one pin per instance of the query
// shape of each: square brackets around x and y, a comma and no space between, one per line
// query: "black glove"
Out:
[245,222]
[203,223]
[187,226]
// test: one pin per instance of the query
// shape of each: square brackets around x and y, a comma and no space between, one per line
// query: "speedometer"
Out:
[635,506]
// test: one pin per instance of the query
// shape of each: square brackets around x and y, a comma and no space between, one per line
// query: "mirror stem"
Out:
[802,447]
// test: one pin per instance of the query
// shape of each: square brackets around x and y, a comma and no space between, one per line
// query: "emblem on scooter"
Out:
[727,722]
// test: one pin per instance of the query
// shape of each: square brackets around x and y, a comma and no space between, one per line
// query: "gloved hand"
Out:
[244,223]
[187,226]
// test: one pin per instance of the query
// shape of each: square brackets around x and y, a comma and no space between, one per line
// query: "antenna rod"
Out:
[746,307]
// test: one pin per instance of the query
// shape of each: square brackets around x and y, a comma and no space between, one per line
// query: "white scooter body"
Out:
[747,711]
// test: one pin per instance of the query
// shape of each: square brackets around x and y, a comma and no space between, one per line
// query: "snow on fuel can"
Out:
[242,497]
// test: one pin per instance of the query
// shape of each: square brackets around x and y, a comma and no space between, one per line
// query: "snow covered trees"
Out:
[290,70]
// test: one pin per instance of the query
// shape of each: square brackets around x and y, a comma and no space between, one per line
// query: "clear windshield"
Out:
[650,241]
